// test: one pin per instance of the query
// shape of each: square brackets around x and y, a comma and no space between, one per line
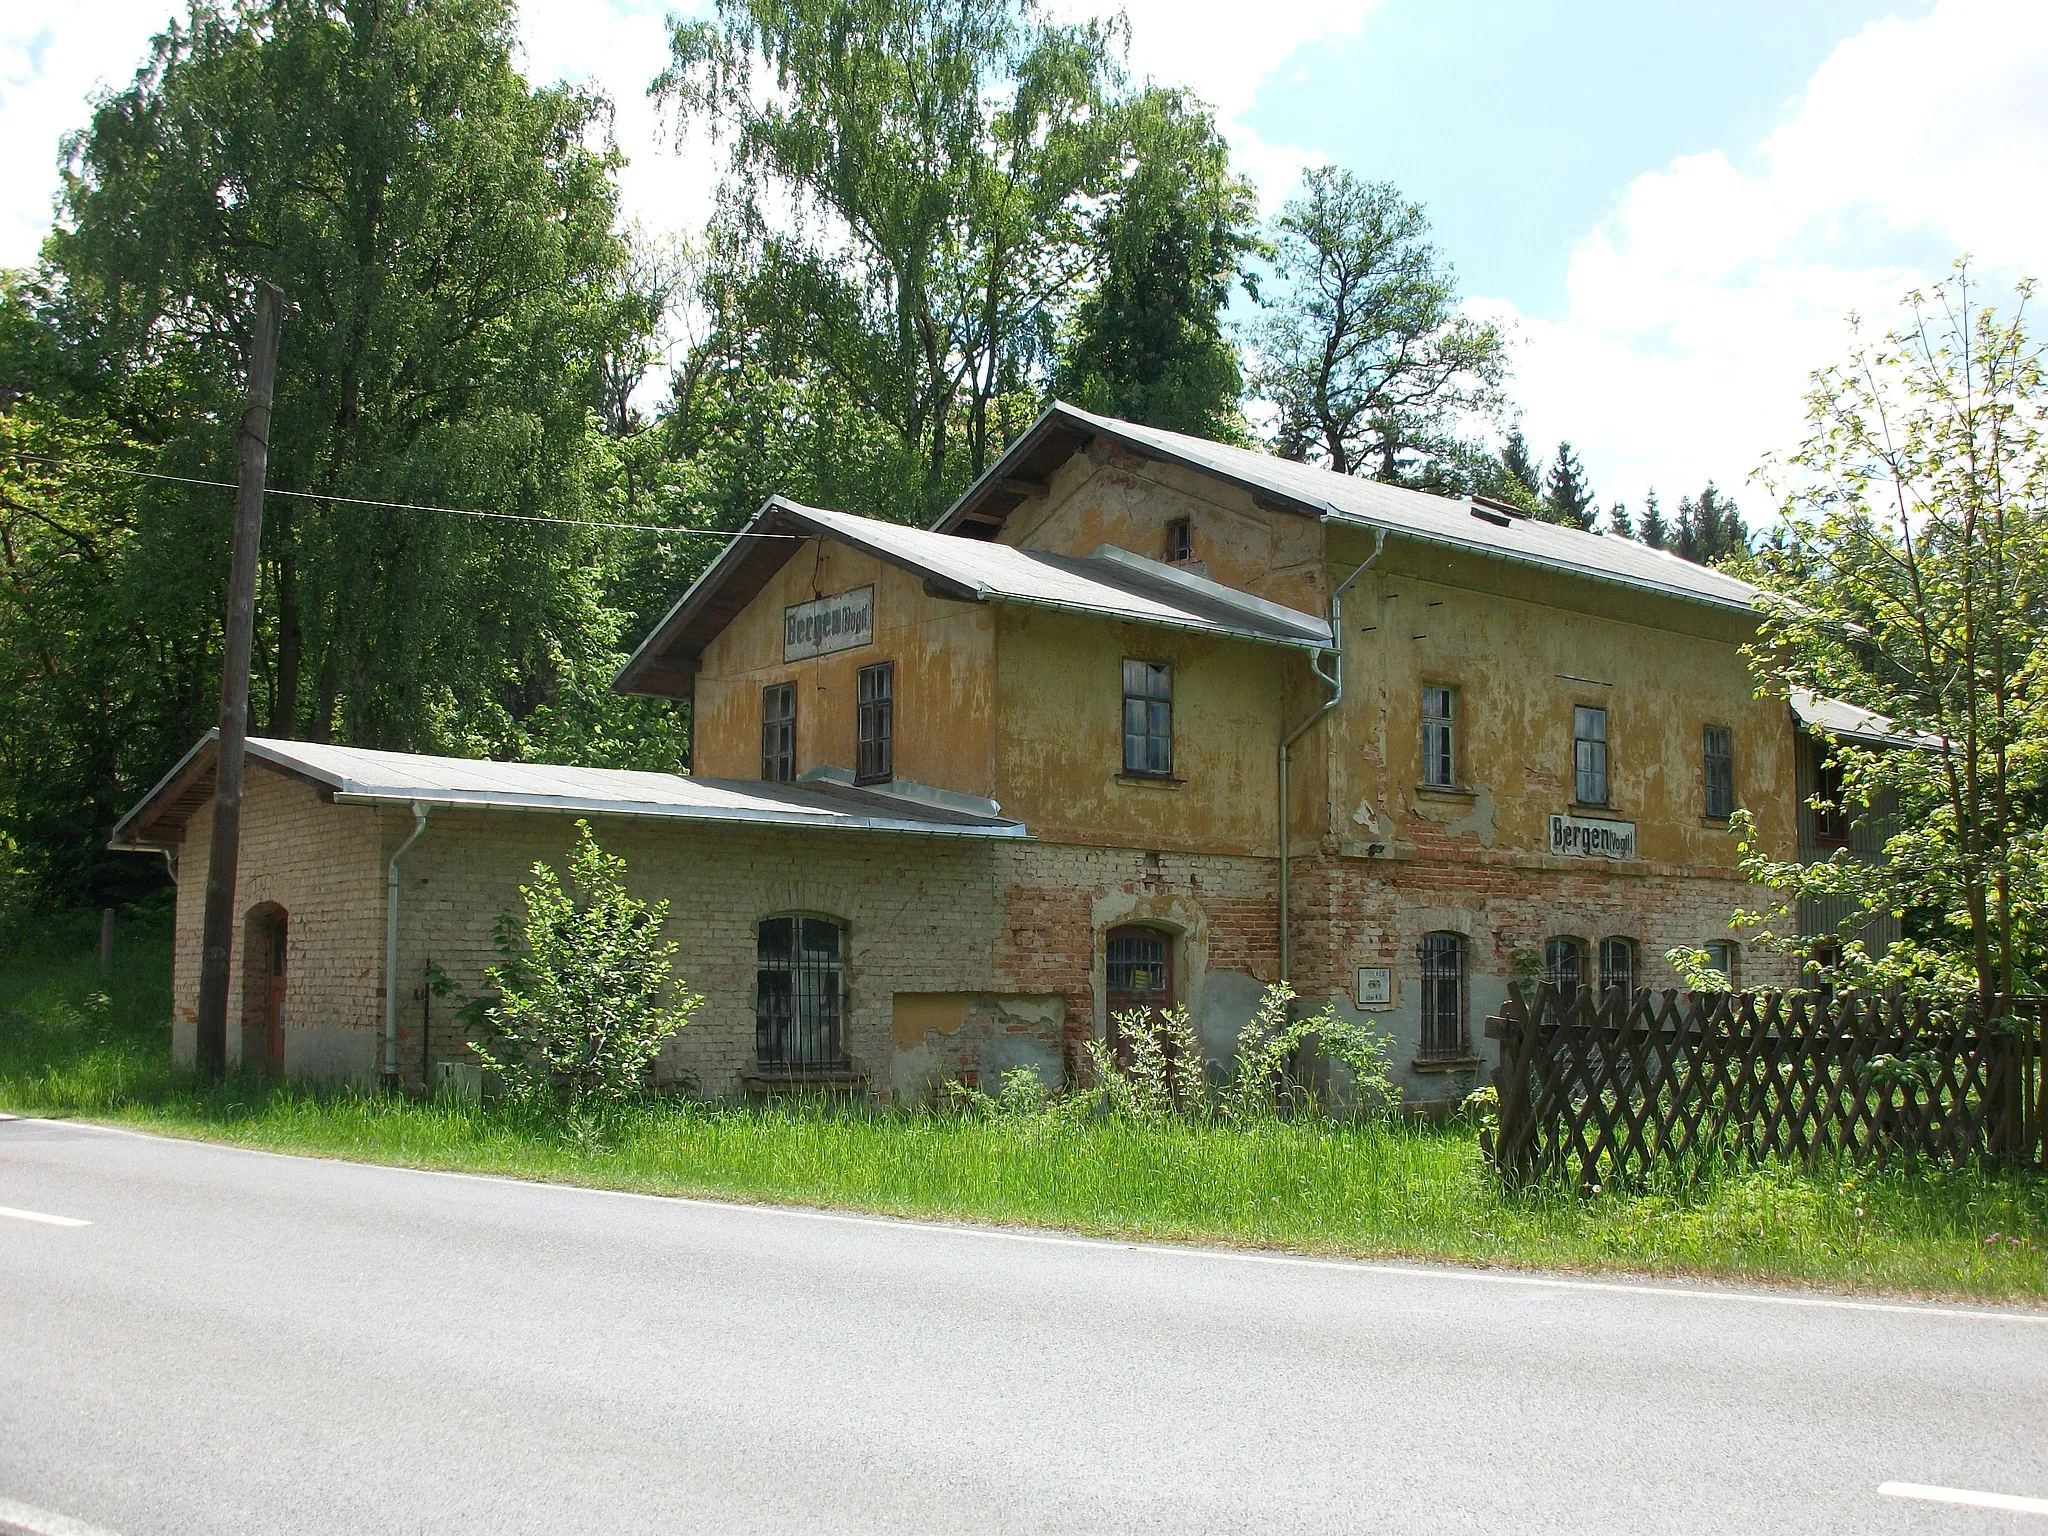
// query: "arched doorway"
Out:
[265,946]
[1139,965]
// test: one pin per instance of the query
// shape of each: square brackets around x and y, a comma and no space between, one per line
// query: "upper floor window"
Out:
[1442,957]
[800,994]
[1589,755]
[778,733]
[1717,764]
[1180,540]
[1830,821]
[1439,756]
[875,751]
[1148,719]
[1564,967]
[1618,967]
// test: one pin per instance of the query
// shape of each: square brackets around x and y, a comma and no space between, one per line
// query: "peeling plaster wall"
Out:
[1108,495]
[943,651]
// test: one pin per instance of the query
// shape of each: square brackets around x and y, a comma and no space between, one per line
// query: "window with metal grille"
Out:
[875,752]
[1589,755]
[1717,756]
[800,994]
[1564,966]
[1443,994]
[778,733]
[1618,966]
[1148,719]
[1439,760]
[1180,540]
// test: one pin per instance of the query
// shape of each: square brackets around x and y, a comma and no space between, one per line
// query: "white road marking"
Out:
[30,1521]
[1536,1279]
[46,1220]
[2012,1503]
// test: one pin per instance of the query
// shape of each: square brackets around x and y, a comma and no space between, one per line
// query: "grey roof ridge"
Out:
[1158,440]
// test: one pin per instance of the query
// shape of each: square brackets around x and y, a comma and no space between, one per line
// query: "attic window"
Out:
[1180,541]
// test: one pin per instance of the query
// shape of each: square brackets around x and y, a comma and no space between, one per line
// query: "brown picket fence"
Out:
[1599,1092]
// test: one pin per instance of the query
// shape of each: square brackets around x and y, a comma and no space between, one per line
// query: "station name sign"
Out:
[829,624]
[1575,837]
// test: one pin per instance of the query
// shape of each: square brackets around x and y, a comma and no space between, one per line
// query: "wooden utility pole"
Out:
[252,453]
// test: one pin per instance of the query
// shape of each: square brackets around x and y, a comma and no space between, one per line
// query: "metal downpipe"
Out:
[1334,678]
[419,825]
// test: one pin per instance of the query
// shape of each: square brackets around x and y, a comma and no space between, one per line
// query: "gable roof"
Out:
[363,776]
[1312,491]
[1110,582]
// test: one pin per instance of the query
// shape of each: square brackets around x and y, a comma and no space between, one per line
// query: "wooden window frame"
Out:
[1717,771]
[1180,541]
[1147,675]
[778,733]
[1590,758]
[1439,737]
[874,748]
[1830,816]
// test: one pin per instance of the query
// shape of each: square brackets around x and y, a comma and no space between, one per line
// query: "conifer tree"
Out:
[1567,498]
[1522,469]
[1710,528]
[1619,521]
[1651,527]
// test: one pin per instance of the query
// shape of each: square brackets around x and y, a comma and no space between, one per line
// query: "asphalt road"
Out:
[241,1342]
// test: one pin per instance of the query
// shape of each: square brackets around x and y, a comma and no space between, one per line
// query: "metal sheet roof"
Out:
[1852,722]
[1110,582]
[1311,489]
[362,776]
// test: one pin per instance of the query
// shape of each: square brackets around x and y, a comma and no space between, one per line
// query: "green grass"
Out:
[1410,1190]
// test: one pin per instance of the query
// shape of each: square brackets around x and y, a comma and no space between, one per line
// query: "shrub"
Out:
[579,1011]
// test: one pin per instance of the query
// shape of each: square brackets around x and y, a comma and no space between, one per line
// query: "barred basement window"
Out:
[800,994]
[875,752]
[1717,756]
[1589,755]
[778,733]
[1443,994]
[1439,759]
[1564,967]
[1618,967]
[1148,719]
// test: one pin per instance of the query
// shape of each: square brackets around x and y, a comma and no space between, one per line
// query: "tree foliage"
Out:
[911,181]
[1167,247]
[1567,498]
[1911,577]
[460,324]
[584,997]
[1361,350]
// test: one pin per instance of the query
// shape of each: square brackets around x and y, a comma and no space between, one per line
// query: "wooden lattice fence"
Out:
[1599,1092]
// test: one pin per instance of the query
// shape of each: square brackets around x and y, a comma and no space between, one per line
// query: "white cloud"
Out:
[53,55]
[1697,310]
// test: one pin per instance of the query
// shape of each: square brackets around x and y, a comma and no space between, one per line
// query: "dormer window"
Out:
[1180,541]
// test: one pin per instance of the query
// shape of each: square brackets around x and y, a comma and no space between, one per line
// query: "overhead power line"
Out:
[416,506]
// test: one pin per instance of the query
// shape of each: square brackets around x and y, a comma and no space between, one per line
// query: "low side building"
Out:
[1143,720]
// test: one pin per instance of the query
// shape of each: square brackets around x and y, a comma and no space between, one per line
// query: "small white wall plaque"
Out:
[1375,987]
[1578,837]
[829,624]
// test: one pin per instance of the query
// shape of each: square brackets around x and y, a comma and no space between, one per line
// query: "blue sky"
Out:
[1519,124]
[1672,206]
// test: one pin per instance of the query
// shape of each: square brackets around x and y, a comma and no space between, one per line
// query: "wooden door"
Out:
[1140,964]
[273,1008]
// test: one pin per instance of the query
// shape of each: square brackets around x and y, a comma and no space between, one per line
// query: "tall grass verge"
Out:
[1392,1189]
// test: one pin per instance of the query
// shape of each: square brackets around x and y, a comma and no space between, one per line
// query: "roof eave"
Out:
[640,810]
